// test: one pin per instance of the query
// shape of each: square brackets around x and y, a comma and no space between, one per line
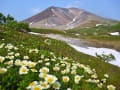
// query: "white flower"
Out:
[25,57]
[10,62]
[43,75]
[56,85]
[42,56]
[100,85]
[62,72]
[7,57]
[32,64]
[73,72]
[9,46]
[47,64]
[62,65]
[69,89]
[104,80]
[57,64]
[23,70]
[44,70]
[92,81]
[11,57]
[65,79]
[2,45]
[31,50]
[51,79]
[17,62]
[40,61]
[2,59]
[37,87]
[23,63]
[106,75]
[17,54]
[34,70]
[67,70]
[3,70]
[51,53]
[96,81]
[53,60]
[47,41]
[47,59]
[32,84]
[44,84]
[56,68]
[88,70]
[15,48]
[9,66]
[11,53]
[94,75]
[74,67]
[111,87]
[77,78]
[36,50]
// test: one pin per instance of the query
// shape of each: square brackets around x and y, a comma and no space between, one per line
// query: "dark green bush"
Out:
[10,22]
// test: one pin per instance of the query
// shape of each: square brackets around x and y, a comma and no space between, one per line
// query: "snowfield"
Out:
[115,33]
[92,51]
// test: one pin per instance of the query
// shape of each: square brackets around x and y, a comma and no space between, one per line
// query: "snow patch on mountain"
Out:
[115,33]
[93,50]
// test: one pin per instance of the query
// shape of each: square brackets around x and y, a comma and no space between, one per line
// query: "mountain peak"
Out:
[65,18]
[72,8]
[52,7]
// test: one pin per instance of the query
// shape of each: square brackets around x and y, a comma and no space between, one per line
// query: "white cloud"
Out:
[35,10]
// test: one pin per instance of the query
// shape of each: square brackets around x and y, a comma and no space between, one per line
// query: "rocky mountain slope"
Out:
[65,18]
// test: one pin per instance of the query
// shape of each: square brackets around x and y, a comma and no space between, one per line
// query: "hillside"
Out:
[66,18]
[99,36]
[41,48]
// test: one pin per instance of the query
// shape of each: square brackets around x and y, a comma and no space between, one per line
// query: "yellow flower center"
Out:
[77,78]
[44,84]
[110,88]
[44,70]
[31,84]
[50,79]
[24,70]
[31,64]
[44,75]
[56,85]
[65,79]
[34,70]
[37,88]
[0,59]
[23,63]
[2,71]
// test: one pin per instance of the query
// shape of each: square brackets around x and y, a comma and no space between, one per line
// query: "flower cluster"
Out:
[52,72]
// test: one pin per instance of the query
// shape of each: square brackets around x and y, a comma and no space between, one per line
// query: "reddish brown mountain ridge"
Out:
[65,18]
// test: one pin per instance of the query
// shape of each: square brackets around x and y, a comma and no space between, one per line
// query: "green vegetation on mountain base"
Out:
[98,30]
[51,31]
[99,36]
[106,41]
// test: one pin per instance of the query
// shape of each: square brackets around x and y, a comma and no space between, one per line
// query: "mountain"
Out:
[65,18]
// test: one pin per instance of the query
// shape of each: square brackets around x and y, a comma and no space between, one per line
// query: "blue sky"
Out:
[21,9]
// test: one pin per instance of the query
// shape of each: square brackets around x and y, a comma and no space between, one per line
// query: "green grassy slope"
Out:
[60,49]
[99,30]
[99,36]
